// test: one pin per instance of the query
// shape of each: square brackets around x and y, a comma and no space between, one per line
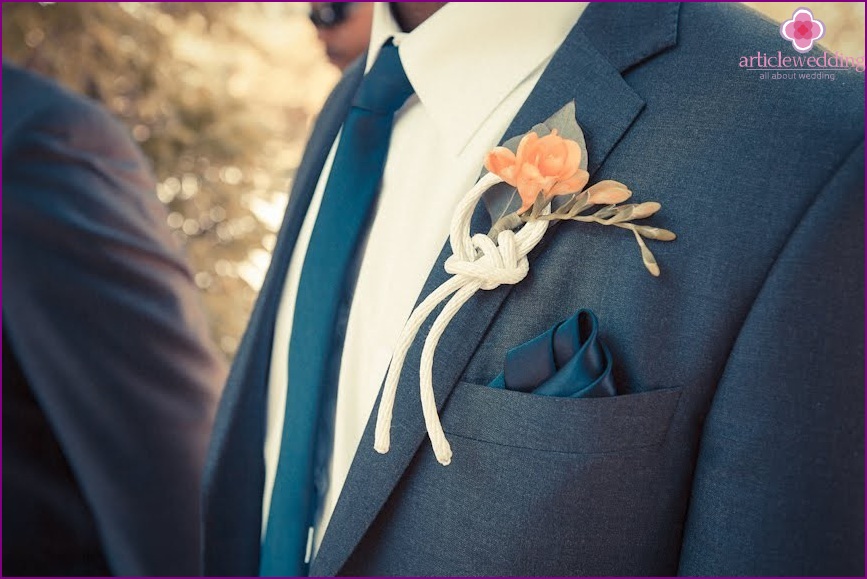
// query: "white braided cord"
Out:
[476,263]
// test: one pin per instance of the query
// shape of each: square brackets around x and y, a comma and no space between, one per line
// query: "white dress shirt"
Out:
[472,66]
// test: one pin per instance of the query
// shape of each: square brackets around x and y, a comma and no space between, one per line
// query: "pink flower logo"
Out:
[802,30]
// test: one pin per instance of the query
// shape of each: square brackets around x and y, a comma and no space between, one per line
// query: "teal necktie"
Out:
[347,206]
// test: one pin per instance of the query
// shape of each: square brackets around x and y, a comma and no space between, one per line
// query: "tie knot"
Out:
[385,87]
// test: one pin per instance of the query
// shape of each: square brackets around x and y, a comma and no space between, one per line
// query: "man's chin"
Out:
[338,59]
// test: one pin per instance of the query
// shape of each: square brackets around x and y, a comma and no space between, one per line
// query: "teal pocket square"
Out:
[569,360]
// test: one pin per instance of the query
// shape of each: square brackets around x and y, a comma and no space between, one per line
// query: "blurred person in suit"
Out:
[733,442]
[343,28]
[110,380]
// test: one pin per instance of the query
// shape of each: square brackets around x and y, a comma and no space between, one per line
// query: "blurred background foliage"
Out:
[221,96]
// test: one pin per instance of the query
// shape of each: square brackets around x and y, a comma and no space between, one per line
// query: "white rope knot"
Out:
[494,264]
[476,263]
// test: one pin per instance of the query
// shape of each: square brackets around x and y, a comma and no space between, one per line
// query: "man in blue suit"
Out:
[734,444]
[110,381]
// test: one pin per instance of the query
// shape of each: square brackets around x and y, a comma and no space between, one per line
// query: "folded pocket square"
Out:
[569,360]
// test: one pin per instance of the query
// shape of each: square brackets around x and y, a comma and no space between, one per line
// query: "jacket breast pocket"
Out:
[569,425]
[541,486]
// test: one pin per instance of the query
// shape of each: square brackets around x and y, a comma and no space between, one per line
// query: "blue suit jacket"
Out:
[109,380]
[738,448]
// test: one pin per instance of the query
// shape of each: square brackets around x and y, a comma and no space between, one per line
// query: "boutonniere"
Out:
[532,181]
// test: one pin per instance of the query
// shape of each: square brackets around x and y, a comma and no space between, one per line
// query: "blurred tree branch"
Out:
[158,67]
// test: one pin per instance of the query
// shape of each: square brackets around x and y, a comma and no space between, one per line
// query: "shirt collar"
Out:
[468,57]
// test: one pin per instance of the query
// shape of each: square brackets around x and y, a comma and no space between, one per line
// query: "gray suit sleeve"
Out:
[779,483]
[102,313]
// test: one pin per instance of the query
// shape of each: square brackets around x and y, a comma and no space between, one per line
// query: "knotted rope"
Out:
[476,263]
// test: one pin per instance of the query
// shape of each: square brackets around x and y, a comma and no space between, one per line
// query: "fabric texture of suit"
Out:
[737,448]
[110,382]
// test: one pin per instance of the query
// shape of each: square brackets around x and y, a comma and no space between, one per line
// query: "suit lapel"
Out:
[234,474]
[608,39]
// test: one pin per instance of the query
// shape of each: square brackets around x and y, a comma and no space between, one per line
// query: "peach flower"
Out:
[550,165]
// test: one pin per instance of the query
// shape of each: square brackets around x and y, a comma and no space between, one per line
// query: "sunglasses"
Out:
[330,14]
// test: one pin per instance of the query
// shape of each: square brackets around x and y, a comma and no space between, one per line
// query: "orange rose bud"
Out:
[501,162]
[550,165]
